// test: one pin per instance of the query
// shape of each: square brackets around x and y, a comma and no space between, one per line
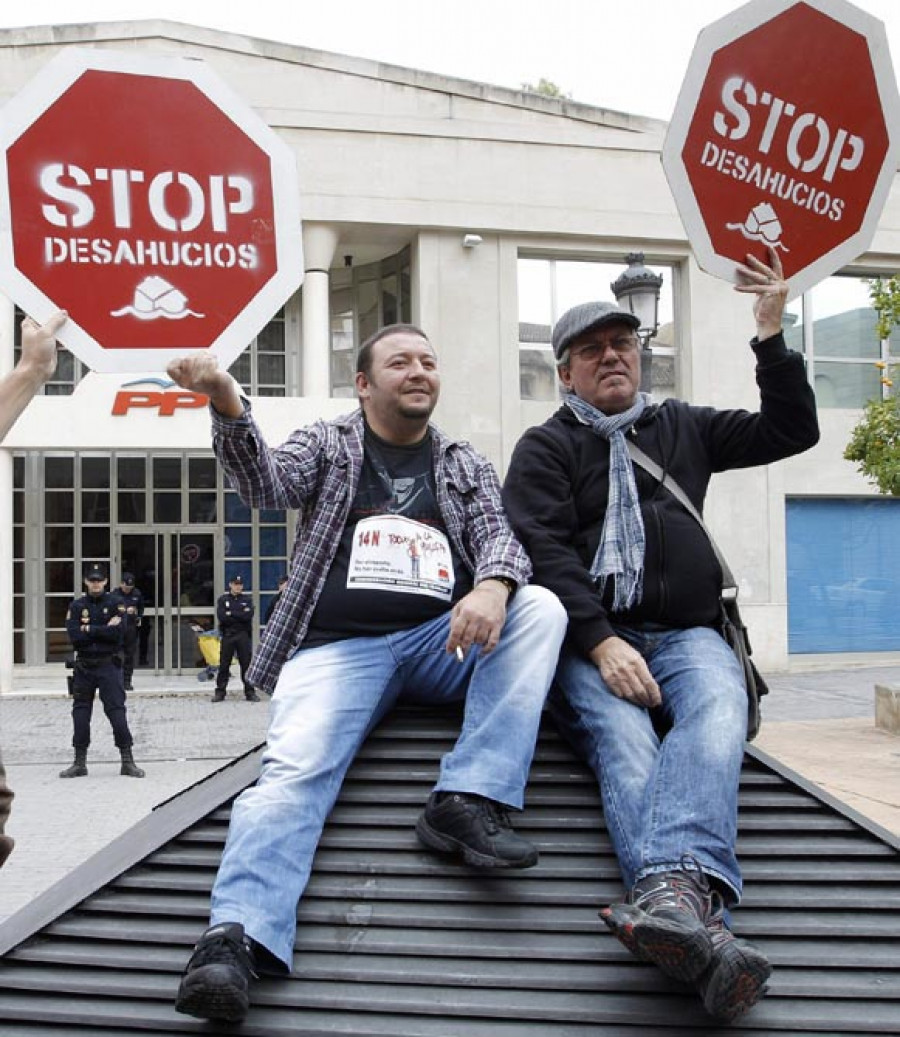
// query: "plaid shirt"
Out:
[317,472]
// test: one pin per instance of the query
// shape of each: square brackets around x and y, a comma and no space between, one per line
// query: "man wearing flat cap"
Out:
[647,689]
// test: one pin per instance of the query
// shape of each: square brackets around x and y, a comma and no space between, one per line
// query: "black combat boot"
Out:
[79,766]
[129,768]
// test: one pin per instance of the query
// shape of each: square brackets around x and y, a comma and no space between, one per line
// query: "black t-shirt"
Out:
[408,555]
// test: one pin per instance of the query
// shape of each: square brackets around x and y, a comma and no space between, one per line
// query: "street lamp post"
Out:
[637,290]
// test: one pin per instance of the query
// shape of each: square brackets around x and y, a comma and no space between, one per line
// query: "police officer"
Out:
[131,609]
[234,613]
[96,628]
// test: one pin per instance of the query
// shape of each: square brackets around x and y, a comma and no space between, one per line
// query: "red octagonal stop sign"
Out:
[785,133]
[142,196]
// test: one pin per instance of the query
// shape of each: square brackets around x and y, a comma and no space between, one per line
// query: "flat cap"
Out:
[582,318]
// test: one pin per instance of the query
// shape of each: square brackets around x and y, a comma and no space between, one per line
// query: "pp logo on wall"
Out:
[145,198]
[785,134]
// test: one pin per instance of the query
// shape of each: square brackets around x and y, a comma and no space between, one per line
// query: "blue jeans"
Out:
[675,795]
[327,700]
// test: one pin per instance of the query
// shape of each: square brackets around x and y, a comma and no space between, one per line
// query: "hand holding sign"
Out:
[39,345]
[767,283]
[200,373]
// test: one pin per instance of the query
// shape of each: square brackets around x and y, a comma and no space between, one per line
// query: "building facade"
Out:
[479,213]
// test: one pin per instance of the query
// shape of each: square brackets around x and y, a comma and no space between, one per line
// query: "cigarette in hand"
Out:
[459,654]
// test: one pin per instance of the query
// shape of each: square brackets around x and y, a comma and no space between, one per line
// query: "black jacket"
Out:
[557,486]
[234,613]
[131,606]
[87,624]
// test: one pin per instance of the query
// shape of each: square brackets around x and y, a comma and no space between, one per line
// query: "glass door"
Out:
[175,572]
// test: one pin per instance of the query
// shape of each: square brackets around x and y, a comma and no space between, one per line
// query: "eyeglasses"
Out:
[594,350]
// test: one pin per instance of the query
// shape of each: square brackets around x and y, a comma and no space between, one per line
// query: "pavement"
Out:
[820,724]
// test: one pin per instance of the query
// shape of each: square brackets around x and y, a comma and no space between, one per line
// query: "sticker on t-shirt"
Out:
[392,553]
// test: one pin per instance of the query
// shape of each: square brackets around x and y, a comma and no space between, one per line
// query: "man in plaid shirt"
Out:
[358,627]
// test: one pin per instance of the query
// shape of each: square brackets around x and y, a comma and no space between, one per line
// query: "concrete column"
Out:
[319,244]
[7,337]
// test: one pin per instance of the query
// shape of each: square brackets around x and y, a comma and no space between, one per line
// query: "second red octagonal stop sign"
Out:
[142,196]
[785,134]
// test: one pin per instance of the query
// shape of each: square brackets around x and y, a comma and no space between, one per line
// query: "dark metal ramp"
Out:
[395,942]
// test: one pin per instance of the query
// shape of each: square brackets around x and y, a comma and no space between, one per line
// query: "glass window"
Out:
[390,302]
[132,507]
[836,327]
[272,541]
[235,509]
[364,299]
[60,576]
[94,506]
[237,541]
[548,287]
[56,609]
[201,473]
[59,542]
[95,472]
[59,472]
[167,507]
[202,507]
[58,507]
[131,472]
[262,369]
[166,473]
[95,543]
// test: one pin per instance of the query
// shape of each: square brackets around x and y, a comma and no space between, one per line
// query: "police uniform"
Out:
[234,613]
[131,609]
[98,668]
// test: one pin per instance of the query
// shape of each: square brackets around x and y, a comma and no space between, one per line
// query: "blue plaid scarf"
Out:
[620,554]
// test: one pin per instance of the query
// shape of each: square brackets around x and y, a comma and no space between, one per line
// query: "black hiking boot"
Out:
[216,981]
[475,827]
[664,921]
[78,769]
[129,768]
[737,974]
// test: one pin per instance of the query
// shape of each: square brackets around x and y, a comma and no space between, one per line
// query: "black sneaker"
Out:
[664,921]
[737,974]
[216,981]
[250,695]
[477,828]
[218,697]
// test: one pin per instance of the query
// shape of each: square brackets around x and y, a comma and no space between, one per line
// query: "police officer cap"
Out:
[95,572]
[128,579]
[237,579]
